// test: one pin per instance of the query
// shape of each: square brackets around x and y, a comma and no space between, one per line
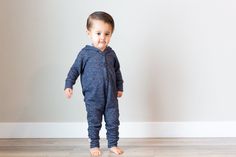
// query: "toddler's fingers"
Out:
[71,92]
[68,93]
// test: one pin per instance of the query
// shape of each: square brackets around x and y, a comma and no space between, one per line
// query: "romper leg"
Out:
[94,117]
[112,124]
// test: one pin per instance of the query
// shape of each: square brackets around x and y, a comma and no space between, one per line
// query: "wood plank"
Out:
[160,147]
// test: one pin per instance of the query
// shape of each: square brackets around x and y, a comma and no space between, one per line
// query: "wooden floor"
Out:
[162,147]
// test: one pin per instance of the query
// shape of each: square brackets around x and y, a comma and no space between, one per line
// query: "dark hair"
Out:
[100,15]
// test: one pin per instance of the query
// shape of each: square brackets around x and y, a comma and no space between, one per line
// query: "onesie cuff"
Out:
[68,85]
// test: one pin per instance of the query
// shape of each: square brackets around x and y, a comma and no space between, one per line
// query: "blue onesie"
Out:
[100,78]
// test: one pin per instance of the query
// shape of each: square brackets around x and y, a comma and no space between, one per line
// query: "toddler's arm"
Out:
[119,79]
[68,92]
[74,72]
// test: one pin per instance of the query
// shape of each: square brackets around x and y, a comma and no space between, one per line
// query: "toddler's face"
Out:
[100,34]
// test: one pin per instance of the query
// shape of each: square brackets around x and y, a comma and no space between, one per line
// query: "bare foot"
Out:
[117,150]
[95,151]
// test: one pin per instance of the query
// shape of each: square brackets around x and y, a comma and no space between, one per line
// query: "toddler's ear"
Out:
[88,32]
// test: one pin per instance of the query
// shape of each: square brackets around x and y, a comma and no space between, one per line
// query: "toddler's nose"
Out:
[102,36]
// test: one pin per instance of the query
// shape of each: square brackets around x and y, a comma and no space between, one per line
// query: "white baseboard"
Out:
[127,130]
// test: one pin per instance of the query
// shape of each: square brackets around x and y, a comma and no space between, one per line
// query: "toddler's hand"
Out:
[68,92]
[119,94]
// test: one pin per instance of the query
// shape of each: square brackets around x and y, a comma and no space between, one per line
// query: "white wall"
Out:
[177,58]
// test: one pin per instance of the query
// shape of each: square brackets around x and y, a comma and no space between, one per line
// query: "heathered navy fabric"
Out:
[100,78]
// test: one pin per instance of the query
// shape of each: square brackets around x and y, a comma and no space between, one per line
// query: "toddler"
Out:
[101,81]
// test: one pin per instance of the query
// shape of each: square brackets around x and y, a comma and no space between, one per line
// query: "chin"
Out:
[102,47]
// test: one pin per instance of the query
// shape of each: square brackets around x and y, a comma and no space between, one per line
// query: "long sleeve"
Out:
[119,79]
[74,72]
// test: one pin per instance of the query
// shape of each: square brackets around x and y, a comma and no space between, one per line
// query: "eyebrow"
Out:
[101,31]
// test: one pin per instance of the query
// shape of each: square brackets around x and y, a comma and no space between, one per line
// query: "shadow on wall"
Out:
[165,84]
[153,95]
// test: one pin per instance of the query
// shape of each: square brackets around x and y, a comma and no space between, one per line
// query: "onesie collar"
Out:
[90,47]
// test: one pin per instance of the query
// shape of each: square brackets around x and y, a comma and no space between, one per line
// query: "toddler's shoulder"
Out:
[111,51]
[83,52]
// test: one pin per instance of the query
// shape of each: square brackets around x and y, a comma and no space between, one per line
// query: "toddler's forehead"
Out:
[101,24]
[98,22]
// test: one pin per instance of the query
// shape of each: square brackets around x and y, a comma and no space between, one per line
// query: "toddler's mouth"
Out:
[102,42]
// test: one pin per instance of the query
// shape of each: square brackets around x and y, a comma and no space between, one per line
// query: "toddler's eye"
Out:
[98,33]
[107,34]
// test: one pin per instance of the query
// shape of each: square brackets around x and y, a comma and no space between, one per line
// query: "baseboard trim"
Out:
[127,130]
